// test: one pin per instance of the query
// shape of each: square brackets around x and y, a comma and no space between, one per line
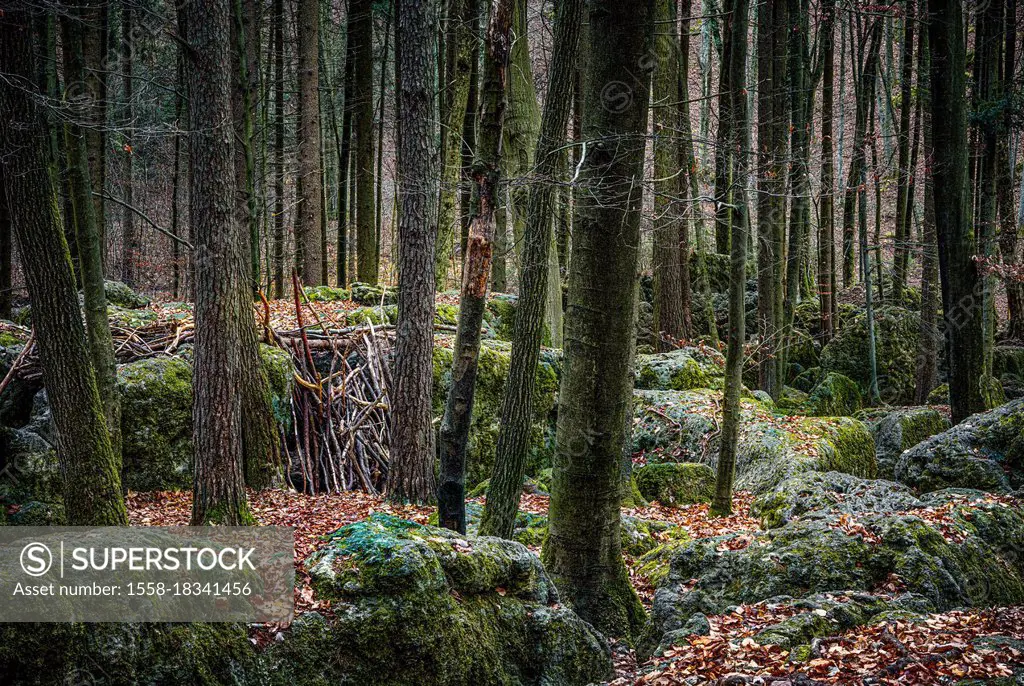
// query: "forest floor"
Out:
[942,649]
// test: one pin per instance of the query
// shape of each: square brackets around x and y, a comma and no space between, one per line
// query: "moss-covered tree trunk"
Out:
[734,59]
[221,255]
[91,470]
[460,41]
[360,33]
[86,223]
[412,433]
[517,404]
[961,284]
[308,181]
[582,551]
[668,297]
[454,433]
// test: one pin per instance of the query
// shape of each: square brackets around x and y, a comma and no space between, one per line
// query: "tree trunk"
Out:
[245,92]
[361,40]
[1008,229]
[411,477]
[131,230]
[308,190]
[461,40]
[826,213]
[904,184]
[734,61]
[221,256]
[91,470]
[583,550]
[6,248]
[929,337]
[961,285]
[90,247]
[454,433]
[668,296]
[279,153]
[517,404]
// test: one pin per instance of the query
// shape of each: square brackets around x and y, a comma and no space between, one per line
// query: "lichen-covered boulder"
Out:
[681,370]
[834,396]
[901,428]
[373,294]
[683,426]
[422,605]
[121,295]
[896,336]
[156,416]
[985,451]
[828,493]
[492,371]
[802,351]
[971,557]
[676,483]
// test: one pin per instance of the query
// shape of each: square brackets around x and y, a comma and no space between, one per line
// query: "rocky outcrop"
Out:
[901,428]
[675,483]
[681,370]
[985,451]
[834,396]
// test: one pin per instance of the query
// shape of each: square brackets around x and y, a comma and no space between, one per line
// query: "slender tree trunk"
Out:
[221,256]
[6,250]
[361,37]
[454,433]
[179,105]
[279,152]
[929,337]
[904,185]
[91,470]
[1008,229]
[459,71]
[411,477]
[688,186]
[469,129]
[245,88]
[961,287]
[517,404]
[826,213]
[583,550]
[307,215]
[95,48]
[344,165]
[131,230]
[734,61]
[90,249]
[668,298]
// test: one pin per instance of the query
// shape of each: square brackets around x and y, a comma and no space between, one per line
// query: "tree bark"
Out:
[361,37]
[454,433]
[826,213]
[961,285]
[279,153]
[734,61]
[221,256]
[905,173]
[91,470]
[517,404]
[583,549]
[131,229]
[411,477]
[308,183]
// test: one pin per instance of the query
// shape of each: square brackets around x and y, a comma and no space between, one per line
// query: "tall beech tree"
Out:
[734,60]
[458,410]
[308,182]
[412,433]
[958,272]
[582,552]
[222,300]
[89,466]
[517,404]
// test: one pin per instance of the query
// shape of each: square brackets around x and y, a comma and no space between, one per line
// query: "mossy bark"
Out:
[517,405]
[583,549]
[92,484]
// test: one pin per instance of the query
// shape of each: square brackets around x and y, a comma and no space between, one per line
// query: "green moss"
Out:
[121,295]
[446,315]
[939,395]
[9,340]
[373,296]
[680,370]
[365,316]
[834,396]
[281,377]
[675,483]
[326,293]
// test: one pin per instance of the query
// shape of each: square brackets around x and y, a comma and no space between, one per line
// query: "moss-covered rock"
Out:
[418,604]
[681,370]
[939,395]
[802,350]
[493,368]
[327,293]
[156,417]
[373,295]
[676,483]
[30,462]
[834,396]
[985,451]
[896,335]
[1008,359]
[828,493]
[35,513]
[375,315]
[973,559]
[683,426]
[121,295]
[901,428]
